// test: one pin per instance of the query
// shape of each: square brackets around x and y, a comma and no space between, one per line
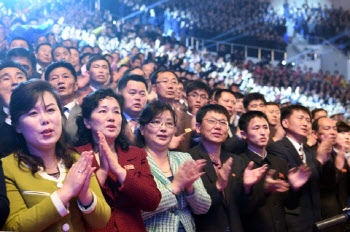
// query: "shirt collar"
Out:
[128,118]
[296,145]
[258,153]
[70,105]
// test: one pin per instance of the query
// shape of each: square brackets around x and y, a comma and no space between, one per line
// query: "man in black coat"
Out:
[271,193]
[225,178]
[295,120]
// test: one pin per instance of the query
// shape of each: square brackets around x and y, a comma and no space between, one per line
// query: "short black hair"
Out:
[12,64]
[86,46]
[313,112]
[137,57]
[60,64]
[342,127]
[122,82]
[123,65]
[42,44]
[22,52]
[30,47]
[219,92]
[245,118]
[154,75]
[211,107]
[239,95]
[129,70]
[58,46]
[287,111]
[251,97]
[272,104]
[197,85]
[82,56]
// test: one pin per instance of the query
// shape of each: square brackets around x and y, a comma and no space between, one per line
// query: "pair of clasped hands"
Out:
[79,175]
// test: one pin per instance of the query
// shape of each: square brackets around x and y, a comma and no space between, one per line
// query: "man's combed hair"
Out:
[22,52]
[219,93]
[197,85]
[211,108]
[287,111]
[154,75]
[60,64]
[315,111]
[342,127]
[12,64]
[251,97]
[245,118]
[97,57]
[123,82]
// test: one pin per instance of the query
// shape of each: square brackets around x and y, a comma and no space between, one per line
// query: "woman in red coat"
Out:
[122,171]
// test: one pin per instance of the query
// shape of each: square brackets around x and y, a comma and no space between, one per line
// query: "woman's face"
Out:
[41,126]
[106,118]
[159,132]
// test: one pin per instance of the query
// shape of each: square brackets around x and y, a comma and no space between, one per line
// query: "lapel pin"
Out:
[129,167]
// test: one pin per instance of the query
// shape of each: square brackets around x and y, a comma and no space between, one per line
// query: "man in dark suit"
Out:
[335,193]
[11,74]
[271,193]
[295,119]
[225,178]
[62,76]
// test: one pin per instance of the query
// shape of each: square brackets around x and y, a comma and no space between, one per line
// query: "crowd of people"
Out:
[142,133]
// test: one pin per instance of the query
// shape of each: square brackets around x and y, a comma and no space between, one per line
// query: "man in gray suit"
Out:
[62,76]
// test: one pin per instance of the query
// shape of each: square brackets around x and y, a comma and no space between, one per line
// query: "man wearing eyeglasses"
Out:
[165,84]
[225,178]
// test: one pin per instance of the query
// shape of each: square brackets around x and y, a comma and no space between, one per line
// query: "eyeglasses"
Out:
[213,122]
[158,124]
[195,96]
[167,82]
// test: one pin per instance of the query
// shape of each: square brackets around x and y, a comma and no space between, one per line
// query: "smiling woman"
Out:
[44,181]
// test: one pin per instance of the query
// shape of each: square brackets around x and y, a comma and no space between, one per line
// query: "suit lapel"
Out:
[208,168]
[293,152]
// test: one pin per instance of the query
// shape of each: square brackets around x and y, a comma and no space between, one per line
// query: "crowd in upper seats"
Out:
[154,136]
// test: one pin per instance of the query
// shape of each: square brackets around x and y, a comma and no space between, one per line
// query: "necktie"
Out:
[66,112]
[133,124]
[302,155]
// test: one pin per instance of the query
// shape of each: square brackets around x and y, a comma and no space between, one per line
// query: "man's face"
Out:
[179,92]
[148,69]
[256,105]
[63,81]
[18,43]
[74,57]
[228,101]
[273,114]
[137,63]
[166,86]
[196,99]
[297,124]
[239,106]
[9,79]
[135,97]
[99,72]
[214,128]
[327,129]
[61,53]
[44,54]
[25,63]
[319,114]
[258,132]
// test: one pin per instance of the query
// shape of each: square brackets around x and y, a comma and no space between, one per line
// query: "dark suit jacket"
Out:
[8,142]
[308,210]
[70,126]
[234,144]
[4,202]
[138,192]
[268,212]
[184,121]
[223,214]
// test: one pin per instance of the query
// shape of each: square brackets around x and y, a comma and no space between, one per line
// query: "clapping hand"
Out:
[252,176]
[78,180]
[324,149]
[223,174]
[299,176]
[273,186]
[187,174]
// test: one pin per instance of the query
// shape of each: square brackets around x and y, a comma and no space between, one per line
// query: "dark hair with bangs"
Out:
[23,99]
[151,111]
[91,102]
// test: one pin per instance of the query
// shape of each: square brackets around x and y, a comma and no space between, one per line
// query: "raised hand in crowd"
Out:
[187,174]
[297,177]
[324,149]
[252,176]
